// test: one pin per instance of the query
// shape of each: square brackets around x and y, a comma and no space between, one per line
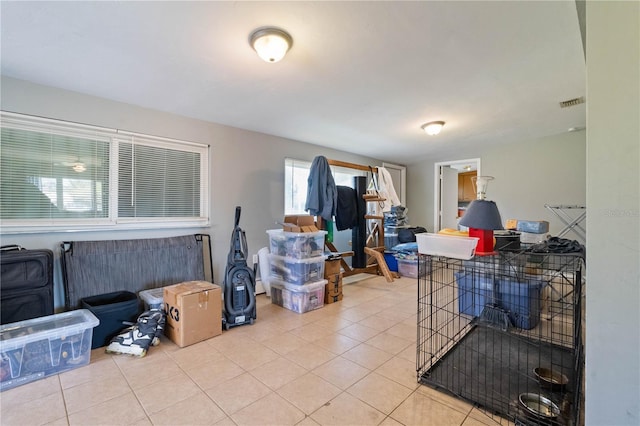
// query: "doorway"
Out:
[446,190]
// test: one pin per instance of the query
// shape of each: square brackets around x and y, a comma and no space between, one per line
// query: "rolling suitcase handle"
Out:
[11,247]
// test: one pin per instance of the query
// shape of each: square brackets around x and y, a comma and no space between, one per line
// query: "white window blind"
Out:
[62,176]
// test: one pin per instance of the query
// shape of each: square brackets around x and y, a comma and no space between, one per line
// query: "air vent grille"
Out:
[572,102]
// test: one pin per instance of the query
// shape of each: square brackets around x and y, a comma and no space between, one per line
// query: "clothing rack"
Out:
[367,255]
[572,223]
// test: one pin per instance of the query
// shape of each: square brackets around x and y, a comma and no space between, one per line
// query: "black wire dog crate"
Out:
[504,332]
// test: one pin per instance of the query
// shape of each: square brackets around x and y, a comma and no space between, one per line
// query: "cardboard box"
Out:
[194,312]
[331,268]
[300,223]
[511,224]
[333,289]
[332,299]
[334,284]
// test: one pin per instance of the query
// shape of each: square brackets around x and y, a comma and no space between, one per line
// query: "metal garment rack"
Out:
[572,223]
[368,245]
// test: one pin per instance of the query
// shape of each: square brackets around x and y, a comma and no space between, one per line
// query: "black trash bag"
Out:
[408,235]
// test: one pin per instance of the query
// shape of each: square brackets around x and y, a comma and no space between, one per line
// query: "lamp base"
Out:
[485,242]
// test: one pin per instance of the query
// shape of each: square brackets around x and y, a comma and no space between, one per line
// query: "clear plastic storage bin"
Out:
[298,298]
[296,271]
[152,298]
[298,245]
[40,347]
[447,245]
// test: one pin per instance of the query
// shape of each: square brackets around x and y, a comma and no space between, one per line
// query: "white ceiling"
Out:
[361,76]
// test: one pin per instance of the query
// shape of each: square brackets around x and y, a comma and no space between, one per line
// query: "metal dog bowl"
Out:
[550,379]
[539,405]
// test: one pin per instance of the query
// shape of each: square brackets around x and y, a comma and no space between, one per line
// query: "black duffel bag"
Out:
[408,235]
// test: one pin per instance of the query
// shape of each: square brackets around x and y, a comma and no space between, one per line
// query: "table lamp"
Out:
[482,218]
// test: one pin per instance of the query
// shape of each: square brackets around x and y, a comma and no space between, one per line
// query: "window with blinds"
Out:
[59,176]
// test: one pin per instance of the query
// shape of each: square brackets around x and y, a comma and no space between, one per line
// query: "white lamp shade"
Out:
[481,183]
[271,44]
[433,128]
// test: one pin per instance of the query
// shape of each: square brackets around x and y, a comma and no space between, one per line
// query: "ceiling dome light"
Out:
[79,167]
[270,43]
[433,127]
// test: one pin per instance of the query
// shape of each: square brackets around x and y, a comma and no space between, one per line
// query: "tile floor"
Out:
[349,363]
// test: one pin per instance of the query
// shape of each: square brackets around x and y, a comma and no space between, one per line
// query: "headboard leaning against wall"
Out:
[91,268]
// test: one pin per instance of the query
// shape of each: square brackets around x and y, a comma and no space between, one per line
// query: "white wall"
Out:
[528,175]
[613,202]
[247,168]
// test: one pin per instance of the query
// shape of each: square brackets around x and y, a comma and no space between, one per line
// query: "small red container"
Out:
[485,244]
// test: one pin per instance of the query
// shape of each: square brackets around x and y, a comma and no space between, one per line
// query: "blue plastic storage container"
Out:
[392,262]
[474,292]
[522,300]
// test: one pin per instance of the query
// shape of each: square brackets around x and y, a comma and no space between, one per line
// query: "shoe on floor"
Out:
[135,340]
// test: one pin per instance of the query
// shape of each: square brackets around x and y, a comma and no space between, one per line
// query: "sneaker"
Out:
[160,314]
[135,340]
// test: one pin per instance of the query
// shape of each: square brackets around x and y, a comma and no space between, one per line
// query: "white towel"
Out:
[386,189]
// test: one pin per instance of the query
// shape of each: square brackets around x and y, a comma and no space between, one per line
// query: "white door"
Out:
[449,198]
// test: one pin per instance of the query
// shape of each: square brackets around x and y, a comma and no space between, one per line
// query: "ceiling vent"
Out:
[572,102]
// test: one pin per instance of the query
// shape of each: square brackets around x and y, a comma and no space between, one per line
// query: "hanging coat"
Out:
[347,208]
[322,195]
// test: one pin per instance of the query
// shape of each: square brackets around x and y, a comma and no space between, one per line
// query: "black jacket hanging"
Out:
[347,209]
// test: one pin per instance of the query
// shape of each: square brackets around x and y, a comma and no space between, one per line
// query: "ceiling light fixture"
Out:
[79,167]
[433,127]
[270,43]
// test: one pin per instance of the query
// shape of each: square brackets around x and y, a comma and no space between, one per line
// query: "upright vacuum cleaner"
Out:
[239,282]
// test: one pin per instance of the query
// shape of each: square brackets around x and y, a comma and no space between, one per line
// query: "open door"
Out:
[445,202]
[449,198]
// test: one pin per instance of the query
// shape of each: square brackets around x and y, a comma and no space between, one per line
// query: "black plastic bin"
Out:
[113,310]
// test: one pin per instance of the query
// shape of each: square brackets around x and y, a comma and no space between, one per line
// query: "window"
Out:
[296,173]
[56,175]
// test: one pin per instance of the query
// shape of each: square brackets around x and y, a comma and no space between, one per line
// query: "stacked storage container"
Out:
[296,269]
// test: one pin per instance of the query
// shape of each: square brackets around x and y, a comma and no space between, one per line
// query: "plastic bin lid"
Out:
[299,288]
[18,334]
[287,259]
[273,232]
[152,295]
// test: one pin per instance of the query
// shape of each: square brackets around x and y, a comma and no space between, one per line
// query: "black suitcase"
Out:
[26,284]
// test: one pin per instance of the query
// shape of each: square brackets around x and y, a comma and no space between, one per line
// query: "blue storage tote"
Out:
[392,262]
[522,300]
[474,292]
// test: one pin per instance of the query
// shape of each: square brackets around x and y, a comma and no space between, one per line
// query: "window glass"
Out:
[296,177]
[59,175]
[47,176]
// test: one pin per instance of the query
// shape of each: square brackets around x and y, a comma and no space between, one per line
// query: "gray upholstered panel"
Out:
[98,267]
